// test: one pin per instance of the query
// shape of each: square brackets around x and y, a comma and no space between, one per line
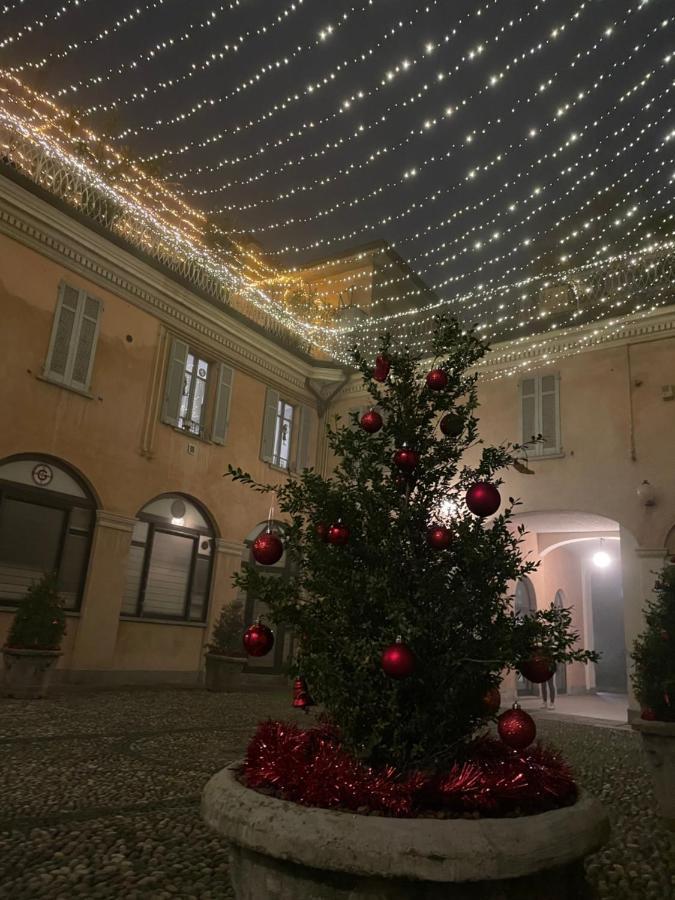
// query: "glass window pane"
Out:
[200,589]
[29,544]
[72,568]
[132,585]
[168,575]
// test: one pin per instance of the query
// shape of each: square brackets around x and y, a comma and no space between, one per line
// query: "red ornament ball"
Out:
[516,728]
[267,548]
[371,421]
[538,668]
[483,499]
[382,367]
[258,639]
[301,696]
[321,531]
[439,537]
[437,379]
[492,700]
[338,533]
[452,425]
[406,459]
[648,714]
[398,660]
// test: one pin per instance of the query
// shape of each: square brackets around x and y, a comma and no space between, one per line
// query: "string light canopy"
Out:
[522,164]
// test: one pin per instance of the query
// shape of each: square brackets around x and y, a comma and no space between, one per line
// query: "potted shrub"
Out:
[34,641]
[654,683]
[398,581]
[225,656]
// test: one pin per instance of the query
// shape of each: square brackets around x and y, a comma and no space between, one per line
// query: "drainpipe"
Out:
[631,417]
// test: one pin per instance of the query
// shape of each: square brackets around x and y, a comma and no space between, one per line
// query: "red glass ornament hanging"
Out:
[439,537]
[382,367]
[301,696]
[492,700]
[437,380]
[371,421]
[483,499]
[538,668]
[258,639]
[321,531]
[398,660]
[452,425]
[516,728]
[267,548]
[406,459]
[648,714]
[338,533]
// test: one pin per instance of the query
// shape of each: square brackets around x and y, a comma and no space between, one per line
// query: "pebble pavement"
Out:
[99,795]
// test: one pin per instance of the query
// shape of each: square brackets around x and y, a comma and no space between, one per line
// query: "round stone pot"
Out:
[284,851]
[223,673]
[658,740]
[28,672]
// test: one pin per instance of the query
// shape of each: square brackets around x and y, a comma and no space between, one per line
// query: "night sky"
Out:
[373,199]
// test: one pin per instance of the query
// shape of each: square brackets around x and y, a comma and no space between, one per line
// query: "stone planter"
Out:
[223,673]
[283,851]
[28,672]
[658,740]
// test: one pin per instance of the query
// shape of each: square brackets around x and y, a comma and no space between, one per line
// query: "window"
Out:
[540,414]
[197,393]
[70,358]
[286,433]
[169,563]
[46,525]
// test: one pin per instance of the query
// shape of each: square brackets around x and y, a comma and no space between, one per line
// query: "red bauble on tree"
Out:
[538,668]
[301,696]
[452,425]
[371,421]
[483,499]
[338,533]
[406,459]
[267,548]
[439,537]
[258,639]
[516,728]
[437,380]
[492,700]
[382,367]
[397,660]
[648,714]
[321,531]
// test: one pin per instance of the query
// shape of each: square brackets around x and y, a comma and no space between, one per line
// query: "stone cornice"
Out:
[36,224]
[229,548]
[116,522]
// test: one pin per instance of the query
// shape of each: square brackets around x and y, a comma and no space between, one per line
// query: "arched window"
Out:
[46,524]
[526,599]
[170,560]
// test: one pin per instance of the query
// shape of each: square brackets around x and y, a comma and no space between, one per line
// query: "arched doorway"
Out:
[170,561]
[525,605]
[46,525]
[274,662]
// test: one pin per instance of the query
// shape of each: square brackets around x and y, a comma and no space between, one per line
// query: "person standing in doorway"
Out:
[548,688]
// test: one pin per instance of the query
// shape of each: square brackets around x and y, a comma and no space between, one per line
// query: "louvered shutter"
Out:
[65,320]
[549,413]
[221,412]
[305,425]
[72,345]
[84,343]
[269,425]
[175,381]
[528,400]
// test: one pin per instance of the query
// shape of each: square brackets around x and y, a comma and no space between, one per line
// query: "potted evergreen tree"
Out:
[653,679]
[225,656]
[401,562]
[34,641]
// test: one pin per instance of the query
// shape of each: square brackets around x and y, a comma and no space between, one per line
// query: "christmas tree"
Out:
[401,573]
[653,653]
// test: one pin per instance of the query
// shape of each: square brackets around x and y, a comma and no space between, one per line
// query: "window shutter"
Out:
[83,346]
[175,381]
[269,425]
[550,419]
[528,400]
[302,459]
[65,320]
[221,412]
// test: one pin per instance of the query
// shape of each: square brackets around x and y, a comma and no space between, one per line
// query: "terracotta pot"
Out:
[223,673]
[28,672]
[658,741]
[285,851]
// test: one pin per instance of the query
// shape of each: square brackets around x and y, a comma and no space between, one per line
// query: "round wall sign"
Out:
[42,474]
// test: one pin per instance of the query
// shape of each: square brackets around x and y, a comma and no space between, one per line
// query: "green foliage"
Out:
[39,622]
[452,608]
[654,651]
[226,638]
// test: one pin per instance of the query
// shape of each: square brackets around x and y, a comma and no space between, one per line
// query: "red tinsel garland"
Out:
[311,767]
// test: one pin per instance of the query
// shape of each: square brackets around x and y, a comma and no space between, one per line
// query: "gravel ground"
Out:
[99,795]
